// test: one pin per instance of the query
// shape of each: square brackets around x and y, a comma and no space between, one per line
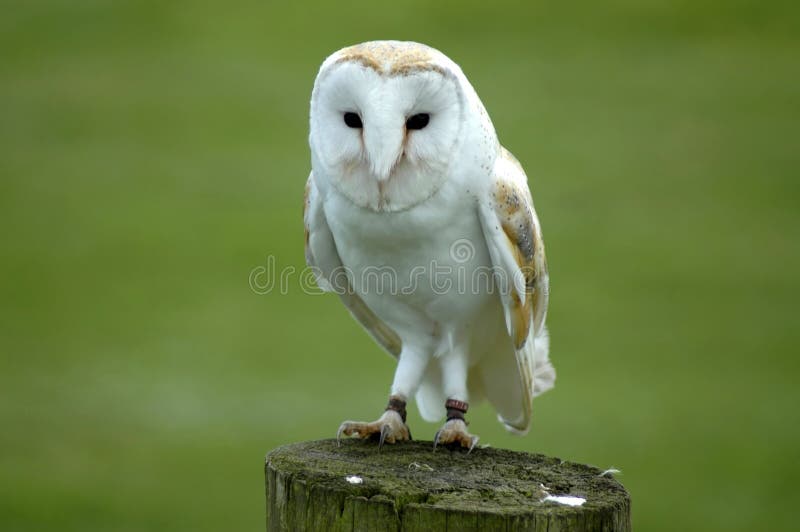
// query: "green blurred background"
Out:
[154,153]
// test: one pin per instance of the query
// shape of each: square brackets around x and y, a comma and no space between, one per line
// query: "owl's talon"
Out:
[473,444]
[454,431]
[384,432]
[389,428]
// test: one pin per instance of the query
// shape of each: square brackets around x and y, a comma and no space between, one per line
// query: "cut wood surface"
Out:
[318,485]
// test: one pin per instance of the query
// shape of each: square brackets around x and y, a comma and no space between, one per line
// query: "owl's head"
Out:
[388,119]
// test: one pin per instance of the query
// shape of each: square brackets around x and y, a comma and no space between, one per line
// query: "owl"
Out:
[424,226]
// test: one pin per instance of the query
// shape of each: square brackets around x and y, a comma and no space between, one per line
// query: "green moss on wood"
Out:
[406,486]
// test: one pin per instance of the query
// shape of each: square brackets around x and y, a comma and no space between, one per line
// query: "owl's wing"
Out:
[323,257]
[515,244]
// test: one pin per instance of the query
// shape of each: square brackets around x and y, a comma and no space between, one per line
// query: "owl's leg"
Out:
[391,426]
[454,430]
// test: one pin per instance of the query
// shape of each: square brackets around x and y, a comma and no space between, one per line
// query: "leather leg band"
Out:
[456,409]
[398,405]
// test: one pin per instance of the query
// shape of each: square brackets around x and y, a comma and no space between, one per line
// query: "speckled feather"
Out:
[391,58]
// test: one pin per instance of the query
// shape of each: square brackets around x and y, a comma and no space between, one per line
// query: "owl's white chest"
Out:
[425,270]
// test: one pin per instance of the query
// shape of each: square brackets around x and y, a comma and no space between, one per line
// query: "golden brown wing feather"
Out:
[513,209]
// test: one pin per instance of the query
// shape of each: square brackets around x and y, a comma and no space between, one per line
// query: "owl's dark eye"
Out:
[353,120]
[418,121]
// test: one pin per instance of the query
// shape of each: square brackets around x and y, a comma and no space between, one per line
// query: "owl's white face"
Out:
[385,124]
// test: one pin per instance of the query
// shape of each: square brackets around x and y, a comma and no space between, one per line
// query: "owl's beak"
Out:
[384,146]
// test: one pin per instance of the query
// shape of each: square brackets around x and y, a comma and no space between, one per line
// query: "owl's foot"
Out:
[454,430]
[389,428]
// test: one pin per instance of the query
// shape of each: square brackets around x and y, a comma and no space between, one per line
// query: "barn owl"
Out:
[424,226]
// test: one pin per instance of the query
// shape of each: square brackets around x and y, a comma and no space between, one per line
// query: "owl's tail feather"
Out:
[430,395]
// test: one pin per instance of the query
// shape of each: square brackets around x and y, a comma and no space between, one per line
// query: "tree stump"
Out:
[318,485]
